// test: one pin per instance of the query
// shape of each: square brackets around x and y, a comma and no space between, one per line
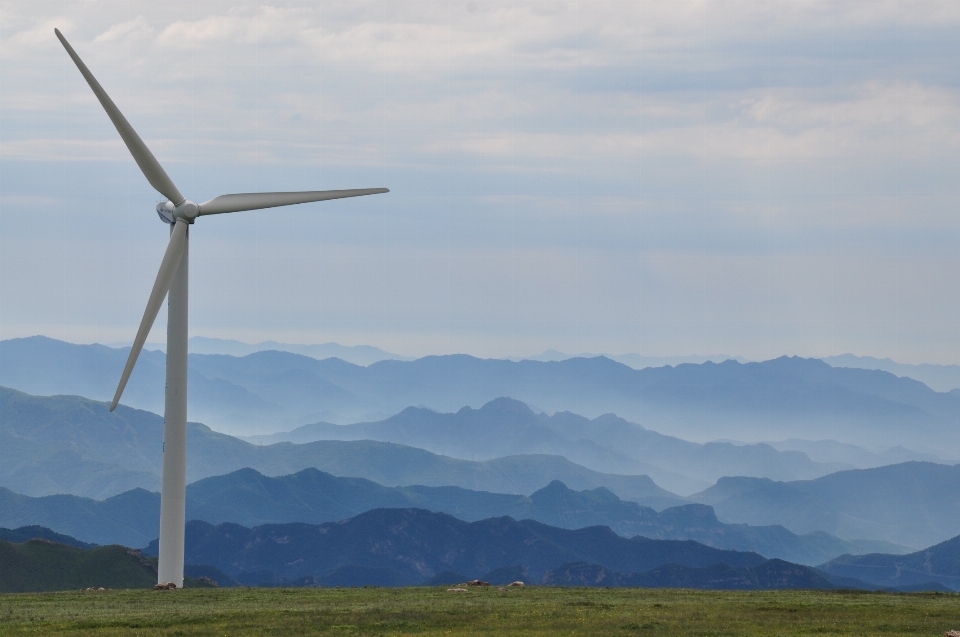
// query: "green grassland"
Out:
[434,611]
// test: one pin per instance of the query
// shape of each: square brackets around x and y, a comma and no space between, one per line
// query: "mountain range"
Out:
[939,563]
[51,445]
[249,498]
[636,361]
[418,544]
[942,378]
[813,495]
[833,453]
[505,426]
[269,391]
[914,504]
[356,354]
[73,445]
[389,550]
[396,547]
[385,547]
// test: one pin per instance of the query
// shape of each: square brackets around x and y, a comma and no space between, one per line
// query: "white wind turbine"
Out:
[179,213]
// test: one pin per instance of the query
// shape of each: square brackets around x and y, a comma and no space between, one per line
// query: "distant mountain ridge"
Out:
[914,504]
[833,452]
[268,391]
[941,378]
[939,563]
[504,426]
[97,453]
[249,498]
[636,361]
[68,444]
[362,355]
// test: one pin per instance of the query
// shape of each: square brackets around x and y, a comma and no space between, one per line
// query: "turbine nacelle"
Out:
[186,210]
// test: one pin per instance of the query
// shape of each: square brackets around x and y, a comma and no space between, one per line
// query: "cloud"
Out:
[688,154]
[32,36]
[605,147]
[62,150]
[269,25]
[871,104]
[137,28]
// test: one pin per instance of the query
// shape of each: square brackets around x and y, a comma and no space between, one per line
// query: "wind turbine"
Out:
[179,213]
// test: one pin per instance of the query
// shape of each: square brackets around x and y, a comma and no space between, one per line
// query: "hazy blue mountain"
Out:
[941,378]
[668,456]
[269,391]
[847,456]
[939,563]
[356,354]
[504,426]
[418,544]
[914,504]
[44,366]
[131,518]
[636,361]
[68,444]
[249,498]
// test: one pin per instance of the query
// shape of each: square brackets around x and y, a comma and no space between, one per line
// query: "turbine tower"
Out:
[180,214]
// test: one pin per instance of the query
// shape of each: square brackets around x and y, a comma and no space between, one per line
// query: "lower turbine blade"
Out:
[168,268]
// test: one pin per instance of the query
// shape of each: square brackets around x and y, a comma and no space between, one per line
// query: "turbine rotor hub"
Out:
[186,210]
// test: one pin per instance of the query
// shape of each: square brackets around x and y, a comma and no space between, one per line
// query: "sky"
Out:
[666,178]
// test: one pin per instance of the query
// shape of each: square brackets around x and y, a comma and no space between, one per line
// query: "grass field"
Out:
[434,611]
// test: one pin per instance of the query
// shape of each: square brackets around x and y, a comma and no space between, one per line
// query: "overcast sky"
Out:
[749,178]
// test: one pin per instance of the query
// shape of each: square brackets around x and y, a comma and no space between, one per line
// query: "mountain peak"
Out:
[555,487]
[506,406]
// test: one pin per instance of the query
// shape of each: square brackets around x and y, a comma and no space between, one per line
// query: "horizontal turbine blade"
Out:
[168,268]
[259,200]
[149,165]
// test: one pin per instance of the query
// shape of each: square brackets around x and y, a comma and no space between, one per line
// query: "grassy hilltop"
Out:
[434,611]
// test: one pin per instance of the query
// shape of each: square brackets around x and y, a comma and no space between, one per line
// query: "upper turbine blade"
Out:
[149,165]
[168,268]
[258,200]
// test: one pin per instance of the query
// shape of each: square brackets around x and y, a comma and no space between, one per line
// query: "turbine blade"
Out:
[259,200]
[168,268]
[149,165]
